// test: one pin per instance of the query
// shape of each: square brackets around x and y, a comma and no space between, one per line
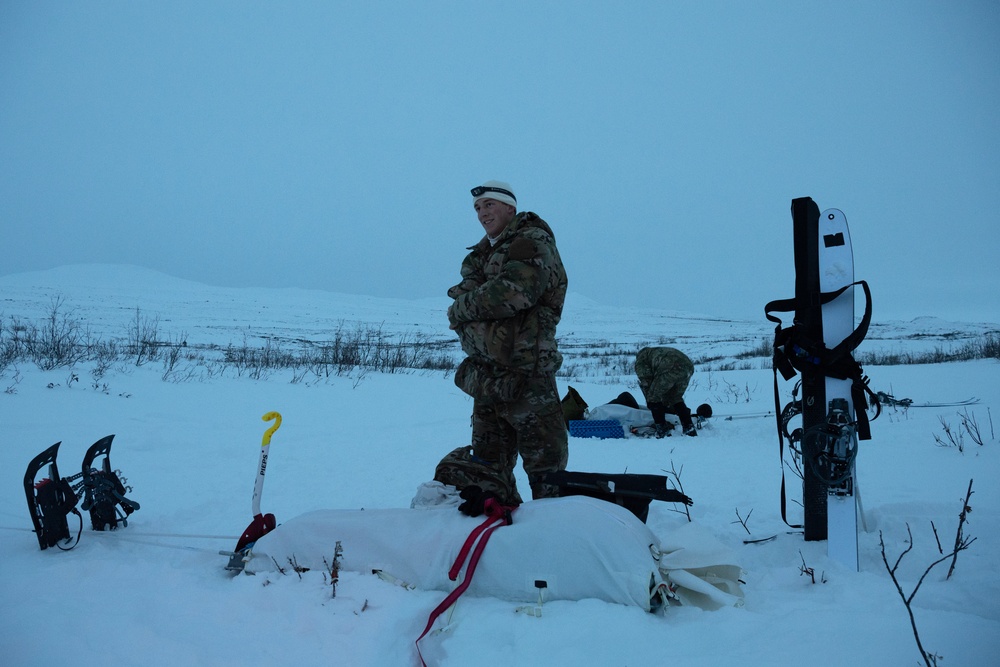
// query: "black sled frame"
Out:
[52,499]
[632,491]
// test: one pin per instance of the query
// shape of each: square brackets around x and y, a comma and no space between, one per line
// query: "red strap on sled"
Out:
[497,515]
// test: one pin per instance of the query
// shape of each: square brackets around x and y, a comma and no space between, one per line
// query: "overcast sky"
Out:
[332,145]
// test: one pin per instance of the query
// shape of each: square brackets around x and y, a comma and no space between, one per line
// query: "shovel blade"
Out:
[261,525]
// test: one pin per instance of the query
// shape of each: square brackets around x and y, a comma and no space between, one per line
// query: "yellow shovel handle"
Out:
[276,418]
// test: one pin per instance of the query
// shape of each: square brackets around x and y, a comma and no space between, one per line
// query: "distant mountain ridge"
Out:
[106,296]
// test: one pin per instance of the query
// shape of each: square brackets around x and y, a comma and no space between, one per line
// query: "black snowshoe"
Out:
[104,491]
[52,499]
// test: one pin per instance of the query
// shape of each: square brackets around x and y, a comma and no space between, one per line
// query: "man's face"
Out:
[494,215]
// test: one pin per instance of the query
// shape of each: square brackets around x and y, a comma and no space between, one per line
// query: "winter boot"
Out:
[663,430]
[683,413]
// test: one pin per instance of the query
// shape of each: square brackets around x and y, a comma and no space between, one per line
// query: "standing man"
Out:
[505,313]
[664,374]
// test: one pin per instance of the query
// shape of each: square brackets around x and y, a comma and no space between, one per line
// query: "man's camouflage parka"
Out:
[511,298]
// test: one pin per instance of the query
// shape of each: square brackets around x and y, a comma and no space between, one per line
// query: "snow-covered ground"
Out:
[156,593]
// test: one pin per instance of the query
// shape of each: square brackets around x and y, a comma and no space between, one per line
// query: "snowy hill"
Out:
[108,299]
[155,593]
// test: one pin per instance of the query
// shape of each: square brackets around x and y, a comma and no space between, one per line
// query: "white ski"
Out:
[836,269]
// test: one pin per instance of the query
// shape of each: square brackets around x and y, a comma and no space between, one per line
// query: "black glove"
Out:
[475,500]
[677,497]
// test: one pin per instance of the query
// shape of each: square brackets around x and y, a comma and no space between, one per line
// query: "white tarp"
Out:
[580,547]
[626,416]
[701,570]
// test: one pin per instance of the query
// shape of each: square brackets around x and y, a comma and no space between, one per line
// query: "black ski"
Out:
[905,403]
[809,316]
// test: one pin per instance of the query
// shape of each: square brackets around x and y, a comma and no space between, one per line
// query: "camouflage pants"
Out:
[664,374]
[532,427]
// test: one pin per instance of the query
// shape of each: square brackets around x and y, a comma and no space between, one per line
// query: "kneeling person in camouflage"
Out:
[664,374]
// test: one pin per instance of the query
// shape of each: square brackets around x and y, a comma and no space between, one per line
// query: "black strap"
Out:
[852,341]
[79,531]
[838,360]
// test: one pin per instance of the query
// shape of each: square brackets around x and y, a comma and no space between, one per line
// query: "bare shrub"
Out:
[951,438]
[141,337]
[59,341]
[961,544]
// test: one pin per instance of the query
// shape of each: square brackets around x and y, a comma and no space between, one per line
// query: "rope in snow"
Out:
[178,535]
[27,530]
[186,536]
[131,537]
[155,544]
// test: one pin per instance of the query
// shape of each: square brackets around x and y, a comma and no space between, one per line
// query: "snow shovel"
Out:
[262,523]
